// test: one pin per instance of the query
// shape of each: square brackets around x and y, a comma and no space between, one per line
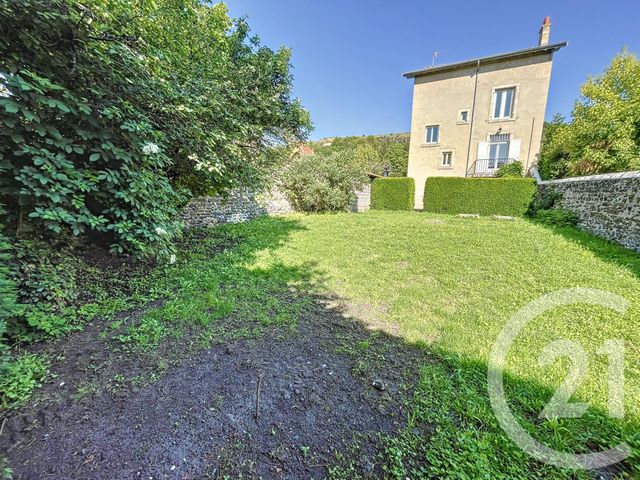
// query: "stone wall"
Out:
[239,205]
[243,204]
[363,199]
[607,205]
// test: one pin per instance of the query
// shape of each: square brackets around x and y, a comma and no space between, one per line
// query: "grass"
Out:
[446,285]
[451,284]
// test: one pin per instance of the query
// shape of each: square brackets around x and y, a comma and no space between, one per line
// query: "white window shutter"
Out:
[514,149]
[483,151]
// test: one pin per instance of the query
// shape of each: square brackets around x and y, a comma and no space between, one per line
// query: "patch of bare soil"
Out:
[277,406]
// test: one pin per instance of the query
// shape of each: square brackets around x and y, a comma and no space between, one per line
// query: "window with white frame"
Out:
[432,134]
[503,102]
[499,149]
[463,116]
[447,158]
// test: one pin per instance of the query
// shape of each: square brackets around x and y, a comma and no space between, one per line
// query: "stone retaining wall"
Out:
[243,204]
[606,205]
[239,205]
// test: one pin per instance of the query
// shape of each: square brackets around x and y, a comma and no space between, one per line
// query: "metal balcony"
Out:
[487,167]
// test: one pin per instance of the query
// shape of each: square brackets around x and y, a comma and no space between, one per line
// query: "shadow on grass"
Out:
[338,399]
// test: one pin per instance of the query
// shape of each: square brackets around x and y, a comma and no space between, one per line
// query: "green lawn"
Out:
[452,284]
[445,285]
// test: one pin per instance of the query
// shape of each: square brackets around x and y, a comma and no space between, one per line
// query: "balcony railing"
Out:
[487,167]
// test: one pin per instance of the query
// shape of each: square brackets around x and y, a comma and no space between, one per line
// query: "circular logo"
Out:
[495,378]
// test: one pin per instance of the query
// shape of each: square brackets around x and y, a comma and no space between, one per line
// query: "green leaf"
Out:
[94,157]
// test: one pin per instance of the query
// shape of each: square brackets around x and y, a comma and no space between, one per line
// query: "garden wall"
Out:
[607,205]
[239,205]
[243,204]
[362,203]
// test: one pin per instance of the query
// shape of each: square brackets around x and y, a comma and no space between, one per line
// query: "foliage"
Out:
[8,296]
[544,199]
[554,157]
[546,209]
[485,196]
[6,472]
[60,287]
[19,377]
[322,183]
[603,134]
[558,217]
[392,194]
[511,170]
[371,154]
[110,109]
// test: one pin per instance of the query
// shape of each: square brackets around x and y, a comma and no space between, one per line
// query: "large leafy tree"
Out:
[113,112]
[603,134]
[226,100]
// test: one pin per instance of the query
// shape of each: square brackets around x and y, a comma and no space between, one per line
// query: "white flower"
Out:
[161,231]
[4,91]
[172,259]
[150,149]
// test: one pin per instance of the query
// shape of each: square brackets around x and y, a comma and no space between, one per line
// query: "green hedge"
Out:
[393,193]
[486,196]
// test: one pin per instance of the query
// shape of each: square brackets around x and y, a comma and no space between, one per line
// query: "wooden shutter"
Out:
[514,149]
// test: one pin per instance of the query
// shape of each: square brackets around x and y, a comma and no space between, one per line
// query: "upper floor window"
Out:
[446,159]
[432,134]
[463,116]
[503,102]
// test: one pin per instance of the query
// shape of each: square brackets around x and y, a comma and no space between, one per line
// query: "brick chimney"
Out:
[545,30]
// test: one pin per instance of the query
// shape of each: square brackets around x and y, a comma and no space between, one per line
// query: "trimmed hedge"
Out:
[393,193]
[486,196]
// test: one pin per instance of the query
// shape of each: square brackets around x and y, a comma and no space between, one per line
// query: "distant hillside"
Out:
[372,152]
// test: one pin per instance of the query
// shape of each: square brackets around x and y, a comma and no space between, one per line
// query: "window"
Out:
[503,101]
[446,159]
[498,149]
[432,134]
[463,116]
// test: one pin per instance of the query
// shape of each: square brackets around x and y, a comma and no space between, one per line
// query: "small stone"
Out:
[379,385]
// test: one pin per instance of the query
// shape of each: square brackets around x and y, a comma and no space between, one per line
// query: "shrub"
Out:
[19,377]
[558,217]
[8,295]
[317,183]
[510,170]
[393,194]
[545,209]
[485,196]
[544,199]
[105,122]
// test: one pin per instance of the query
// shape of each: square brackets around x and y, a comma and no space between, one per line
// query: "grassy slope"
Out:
[453,283]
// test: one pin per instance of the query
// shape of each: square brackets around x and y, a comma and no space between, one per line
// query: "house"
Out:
[469,118]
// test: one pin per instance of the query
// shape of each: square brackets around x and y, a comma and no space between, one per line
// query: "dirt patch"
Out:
[330,385]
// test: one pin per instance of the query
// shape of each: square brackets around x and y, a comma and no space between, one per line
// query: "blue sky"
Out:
[349,55]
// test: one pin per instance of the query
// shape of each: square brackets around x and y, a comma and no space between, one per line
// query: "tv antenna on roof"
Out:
[435,57]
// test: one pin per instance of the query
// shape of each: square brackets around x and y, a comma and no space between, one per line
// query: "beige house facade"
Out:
[472,117]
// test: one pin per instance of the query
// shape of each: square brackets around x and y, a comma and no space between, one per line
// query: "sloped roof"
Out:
[492,58]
